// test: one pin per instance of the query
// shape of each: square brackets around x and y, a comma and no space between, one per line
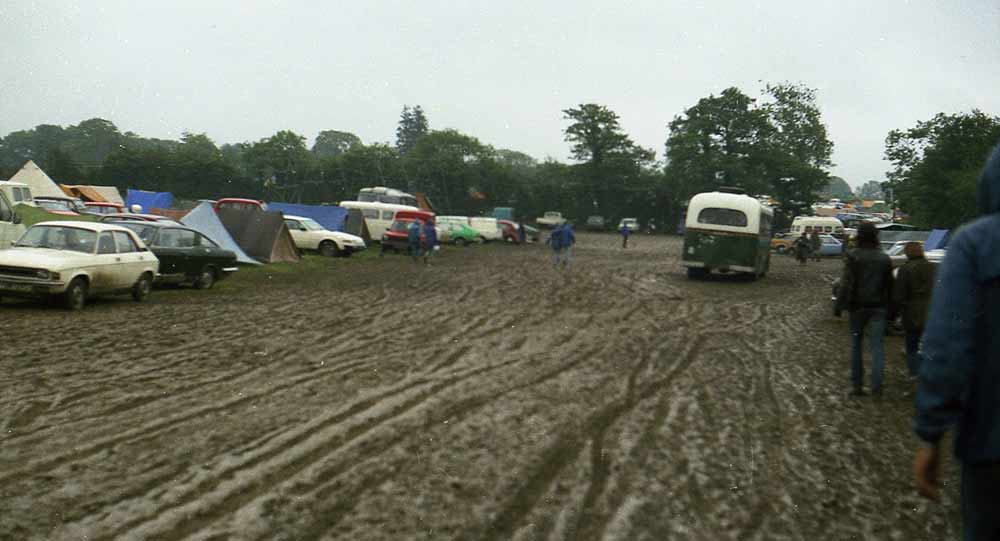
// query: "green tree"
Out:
[89,142]
[838,188]
[280,163]
[936,166]
[412,127]
[458,171]
[330,143]
[871,190]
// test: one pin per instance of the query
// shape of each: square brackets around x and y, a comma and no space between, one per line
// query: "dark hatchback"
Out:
[185,255]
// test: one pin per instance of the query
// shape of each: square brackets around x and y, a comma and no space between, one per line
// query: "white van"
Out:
[820,224]
[489,228]
[17,193]
[11,227]
[378,216]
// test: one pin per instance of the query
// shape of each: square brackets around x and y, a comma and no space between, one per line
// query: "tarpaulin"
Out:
[328,216]
[148,200]
[262,234]
[204,220]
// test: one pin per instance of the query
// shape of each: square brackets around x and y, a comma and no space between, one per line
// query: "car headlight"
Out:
[43,274]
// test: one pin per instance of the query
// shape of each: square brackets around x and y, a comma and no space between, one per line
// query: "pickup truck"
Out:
[550,219]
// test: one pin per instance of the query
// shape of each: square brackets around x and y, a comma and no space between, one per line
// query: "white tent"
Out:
[36,179]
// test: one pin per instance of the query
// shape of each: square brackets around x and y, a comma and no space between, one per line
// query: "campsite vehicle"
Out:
[631,223]
[10,223]
[239,203]
[594,223]
[488,228]
[381,194]
[822,224]
[135,217]
[396,238]
[378,216]
[503,213]
[782,242]
[310,235]
[550,219]
[17,193]
[104,208]
[830,246]
[185,255]
[510,232]
[457,229]
[77,260]
[61,205]
[728,232]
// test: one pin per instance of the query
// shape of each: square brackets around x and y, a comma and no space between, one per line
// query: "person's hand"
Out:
[926,471]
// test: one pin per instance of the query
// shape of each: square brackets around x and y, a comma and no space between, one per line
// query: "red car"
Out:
[397,237]
[510,232]
[239,204]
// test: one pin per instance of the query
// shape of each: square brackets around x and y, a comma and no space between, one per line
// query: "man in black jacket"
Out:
[912,295]
[866,292]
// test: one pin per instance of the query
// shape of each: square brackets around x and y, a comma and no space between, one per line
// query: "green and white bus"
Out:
[727,232]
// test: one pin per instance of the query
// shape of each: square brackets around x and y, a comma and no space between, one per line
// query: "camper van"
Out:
[378,216]
[381,194]
[17,193]
[11,228]
[820,224]
[728,232]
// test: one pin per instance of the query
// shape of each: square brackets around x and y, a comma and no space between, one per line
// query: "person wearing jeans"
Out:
[912,295]
[866,291]
[873,320]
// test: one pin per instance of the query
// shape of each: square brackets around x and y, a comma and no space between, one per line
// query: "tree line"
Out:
[775,143]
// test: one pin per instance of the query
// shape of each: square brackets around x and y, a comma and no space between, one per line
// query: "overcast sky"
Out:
[500,71]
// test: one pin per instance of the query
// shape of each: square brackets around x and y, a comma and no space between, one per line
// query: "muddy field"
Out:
[486,397]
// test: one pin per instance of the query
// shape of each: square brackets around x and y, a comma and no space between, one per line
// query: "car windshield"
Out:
[145,232]
[55,204]
[400,226]
[311,225]
[59,238]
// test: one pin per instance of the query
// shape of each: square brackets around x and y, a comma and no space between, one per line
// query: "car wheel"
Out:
[328,249]
[140,291]
[75,296]
[206,279]
[781,249]
[480,240]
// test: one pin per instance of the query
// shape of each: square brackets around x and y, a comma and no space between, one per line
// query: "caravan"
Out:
[380,194]
[378,216]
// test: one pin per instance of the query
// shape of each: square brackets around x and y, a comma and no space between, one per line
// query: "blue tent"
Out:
[149,200]
[937,240]
[330,217]
[204,220]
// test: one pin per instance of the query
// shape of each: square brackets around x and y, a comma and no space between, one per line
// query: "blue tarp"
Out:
[330,217]
[937,240]
[149,200]
[204,220]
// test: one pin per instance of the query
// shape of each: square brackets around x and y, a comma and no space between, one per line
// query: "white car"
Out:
[631,223]
[308,234]
[77,260]
[550,219]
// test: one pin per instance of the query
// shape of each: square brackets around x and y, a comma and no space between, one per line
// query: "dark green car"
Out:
[185,255]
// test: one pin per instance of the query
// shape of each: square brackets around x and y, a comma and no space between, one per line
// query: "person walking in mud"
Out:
[865,292]
[960,366]
[624,231]
[815,243]
[569,239]
[912,296]
[428,241]
[413,239]
[522,235]
[801,247]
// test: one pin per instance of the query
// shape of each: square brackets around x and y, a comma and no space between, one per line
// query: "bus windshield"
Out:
[719,216]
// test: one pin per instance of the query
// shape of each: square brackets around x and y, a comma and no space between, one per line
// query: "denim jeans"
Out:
[563,255]
[874,320]
[913,350]
[980,501]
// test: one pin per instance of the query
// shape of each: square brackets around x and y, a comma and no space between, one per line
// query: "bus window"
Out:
[809,229]
[828,229]
[717,216]
[367,197]
[370,213]
[388,214]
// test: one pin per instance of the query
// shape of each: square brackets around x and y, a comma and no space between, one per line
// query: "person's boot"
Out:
[858,391]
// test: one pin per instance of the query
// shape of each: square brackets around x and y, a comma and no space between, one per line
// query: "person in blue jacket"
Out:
[960,366]
[413,239]
[555,241]
[429,240]
[625,232]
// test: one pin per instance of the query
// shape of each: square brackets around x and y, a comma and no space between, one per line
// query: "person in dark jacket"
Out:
[413,239]
[865,291]
[815,243]
[625,232]
[912,295]
[802,247]
[521,233]
[960,365]
[428,241]
[555,241]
